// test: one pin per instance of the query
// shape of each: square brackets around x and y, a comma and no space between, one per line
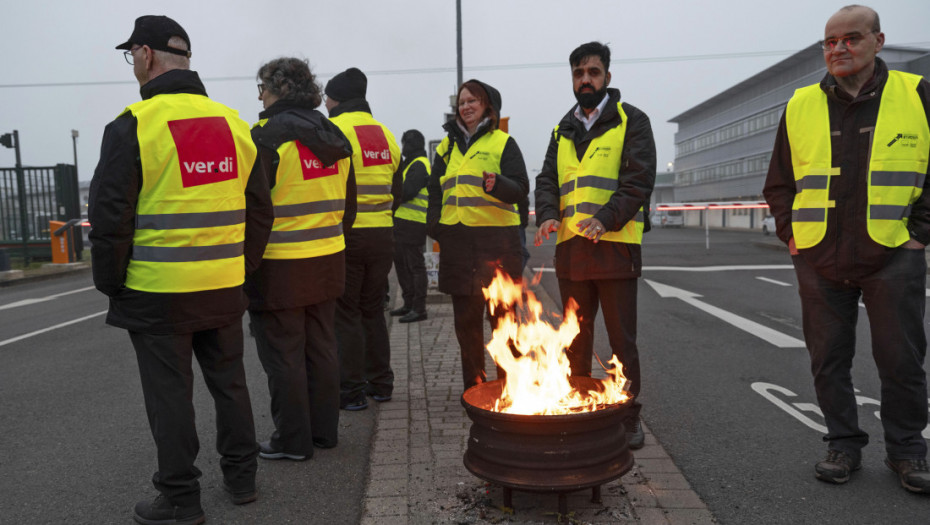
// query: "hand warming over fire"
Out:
[550,225]
[592,228]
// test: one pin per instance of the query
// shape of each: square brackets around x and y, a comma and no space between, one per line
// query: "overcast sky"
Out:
[60,70]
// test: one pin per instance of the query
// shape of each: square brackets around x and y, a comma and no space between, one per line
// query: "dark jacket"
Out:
[411,232]
[469,256]
[846,251]
[579,258]
[293,283]
[114,195]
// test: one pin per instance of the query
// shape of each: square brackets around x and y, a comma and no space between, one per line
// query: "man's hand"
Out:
[792,249]
[913,244]
[550,225]
[489,180]
[592,228]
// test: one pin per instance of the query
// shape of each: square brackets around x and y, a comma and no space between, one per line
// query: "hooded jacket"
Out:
[113,199]
[469,255]
[579,258]
[292,283]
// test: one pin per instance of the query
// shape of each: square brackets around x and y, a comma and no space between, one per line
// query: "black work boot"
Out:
[913,473]
[161,511]
[635,436]
[837,467]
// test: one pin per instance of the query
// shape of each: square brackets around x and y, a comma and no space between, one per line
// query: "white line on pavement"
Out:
[26,302]
[763,332]
[717,268]
[699,268]
[50,328]
[773,281]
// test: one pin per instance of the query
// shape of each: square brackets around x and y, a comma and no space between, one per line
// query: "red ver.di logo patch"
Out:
[374,145]
[311,166]
[206,150]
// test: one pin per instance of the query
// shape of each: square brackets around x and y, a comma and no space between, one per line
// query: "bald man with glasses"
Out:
[848,188]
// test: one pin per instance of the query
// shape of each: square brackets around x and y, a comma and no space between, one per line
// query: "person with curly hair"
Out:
[293,293]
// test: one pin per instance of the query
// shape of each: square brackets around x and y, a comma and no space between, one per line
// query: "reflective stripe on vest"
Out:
[375,157]
[415,209]
[897,166]
[586,185]
[309,203]
[463,197]
[196,156]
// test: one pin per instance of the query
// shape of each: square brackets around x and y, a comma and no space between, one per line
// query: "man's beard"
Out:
[590,100]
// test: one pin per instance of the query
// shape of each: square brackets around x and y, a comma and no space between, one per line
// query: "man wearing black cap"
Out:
[597,177]
[361,331]
[410,228]
[179,217]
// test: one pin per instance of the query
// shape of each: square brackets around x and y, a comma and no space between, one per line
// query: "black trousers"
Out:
[297,348]
[895,302]
[469,312]
[165,366]
[411,275]
[617,300]
[361,330]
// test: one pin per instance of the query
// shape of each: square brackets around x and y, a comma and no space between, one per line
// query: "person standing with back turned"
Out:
[599,172]
[361,330]
[179,216]
[292,295]
[847,186]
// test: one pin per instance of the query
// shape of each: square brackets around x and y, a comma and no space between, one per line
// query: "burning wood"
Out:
[533,353]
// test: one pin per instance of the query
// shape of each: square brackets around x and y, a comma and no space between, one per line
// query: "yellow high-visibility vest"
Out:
[309,203]
[415,209]
[897,165]
[586,185]
[375,157]
[196,157]
[463,197]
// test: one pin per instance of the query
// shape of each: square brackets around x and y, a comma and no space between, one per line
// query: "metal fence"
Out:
[28,203]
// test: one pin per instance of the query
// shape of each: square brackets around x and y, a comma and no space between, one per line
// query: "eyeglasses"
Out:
[261,89]
[128,55]
[849,41]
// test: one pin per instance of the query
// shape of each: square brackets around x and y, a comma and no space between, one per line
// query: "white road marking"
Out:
[773,281]
[27,302]
[761,331]
[765,390]
[717,268]
[701,268]
[50,328]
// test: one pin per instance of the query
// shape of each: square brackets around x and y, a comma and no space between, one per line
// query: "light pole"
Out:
[74,137]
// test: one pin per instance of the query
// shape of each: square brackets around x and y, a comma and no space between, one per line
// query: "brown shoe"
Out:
[913,473]
[837,467]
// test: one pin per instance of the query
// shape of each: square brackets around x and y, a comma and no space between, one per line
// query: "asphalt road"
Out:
[713,389]
[75,445]
[734,410]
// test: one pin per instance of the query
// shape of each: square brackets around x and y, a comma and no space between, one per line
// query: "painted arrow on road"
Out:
[763,332]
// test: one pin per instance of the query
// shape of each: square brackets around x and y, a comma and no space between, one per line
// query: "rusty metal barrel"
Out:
[545,453]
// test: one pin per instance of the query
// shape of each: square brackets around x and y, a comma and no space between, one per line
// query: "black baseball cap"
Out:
[155,31]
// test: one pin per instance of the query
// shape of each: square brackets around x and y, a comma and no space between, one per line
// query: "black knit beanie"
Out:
[349,84]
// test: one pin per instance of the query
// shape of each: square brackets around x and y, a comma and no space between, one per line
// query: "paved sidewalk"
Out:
[417,475]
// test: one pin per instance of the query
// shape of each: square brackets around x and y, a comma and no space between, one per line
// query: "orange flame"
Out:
[533,353]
